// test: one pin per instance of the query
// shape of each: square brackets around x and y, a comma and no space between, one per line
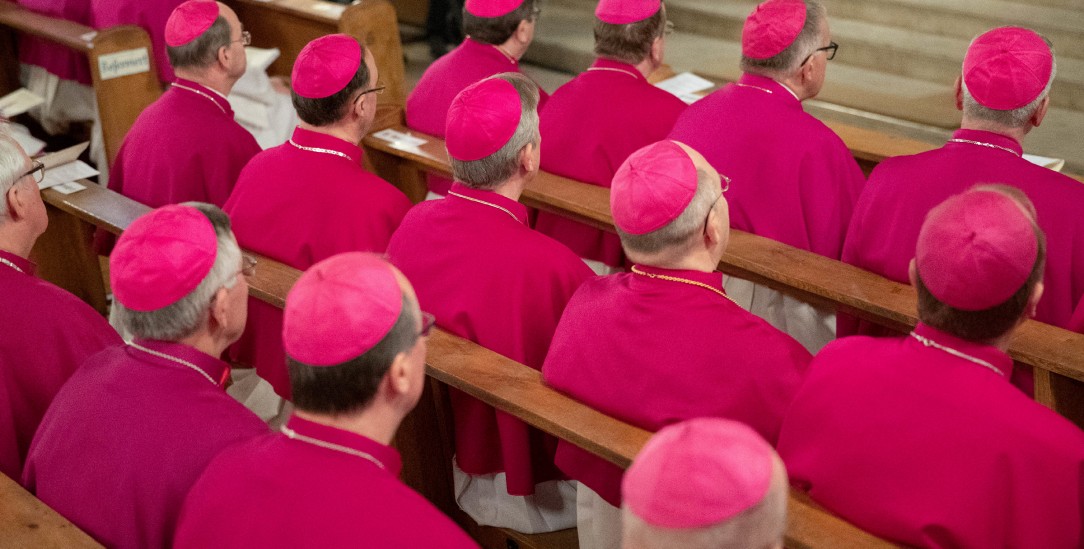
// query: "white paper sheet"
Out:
[1055,164]
[61,157]
[21,135]
[67,173]
[69,188]
[400,139]
[685,86]
[18,102]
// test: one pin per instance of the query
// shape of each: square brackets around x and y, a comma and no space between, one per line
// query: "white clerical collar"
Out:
[218,93]
[784,86]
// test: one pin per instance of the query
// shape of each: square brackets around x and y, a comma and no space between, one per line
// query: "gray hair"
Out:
[679,231]
[181,319]
[790,59]
[759,527]
[203,50]
[12,167]
[491,171]
[1014,118]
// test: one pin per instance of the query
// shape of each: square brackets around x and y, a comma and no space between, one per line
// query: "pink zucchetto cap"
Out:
[772,27]
[326,65]
[482,118]
[1007,68]
[340,308]
[189,20]
[652,187]
[698,473]
[491,8]
[623,12]
[976,250]
[162,257]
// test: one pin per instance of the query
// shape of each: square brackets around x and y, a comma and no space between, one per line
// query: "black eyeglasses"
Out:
[726,187]
[38,171]
[378,89]
[831,48]
[428,320]
[245,40]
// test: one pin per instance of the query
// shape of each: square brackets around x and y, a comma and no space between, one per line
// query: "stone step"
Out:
[969,18]
[878,48]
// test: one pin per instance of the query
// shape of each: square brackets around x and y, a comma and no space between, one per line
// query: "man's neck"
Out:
[512,188]
[342,130]
[373,422]
[1018,134]
[205,342]
[208,79]
[13,243]
[513,48]
[700,260]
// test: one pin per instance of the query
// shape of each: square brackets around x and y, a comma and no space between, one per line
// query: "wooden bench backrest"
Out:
[488,376]
[1055,353]
[121,98]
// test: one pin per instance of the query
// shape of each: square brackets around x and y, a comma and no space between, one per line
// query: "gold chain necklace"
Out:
[175,359]
[321,150]
[985,144]
[197,92]
[331,446]
[765,90]
[613,70]
[958,354]
[636,269]
[12,265]
[505,210]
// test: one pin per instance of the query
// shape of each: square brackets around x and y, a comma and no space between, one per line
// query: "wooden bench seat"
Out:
[498,381]
[27,522]
[1056,354]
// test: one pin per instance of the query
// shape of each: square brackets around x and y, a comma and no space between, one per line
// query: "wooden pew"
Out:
[290,24]
[120,97]
[498,381]
[27,522]
[1056,354]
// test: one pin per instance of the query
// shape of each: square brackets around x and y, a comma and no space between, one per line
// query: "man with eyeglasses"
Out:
[46,332]
[665,342]
[187,145]
[1004,92]
[131,431]
[586,128]
[317,182]
[795,181]
[488,277]
[356,342]
[498,35]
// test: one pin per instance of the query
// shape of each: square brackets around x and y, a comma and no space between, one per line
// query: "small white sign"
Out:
[124,63]
[399,139]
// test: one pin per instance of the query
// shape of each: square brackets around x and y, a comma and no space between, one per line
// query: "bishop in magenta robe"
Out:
[490,278]
[335,206]
[792,178]
[966,460]
[588,131]
[185,146]
[48,333]
[128,435]
[427,105]
[317,180]
[652,351]
[347,500]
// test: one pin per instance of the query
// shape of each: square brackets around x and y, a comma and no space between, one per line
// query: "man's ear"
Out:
[220,308]
[523,31]
[958,90]
[527,158]
[1033,299]
[912,273]
[1040,113]
[658,47]
[398,376]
